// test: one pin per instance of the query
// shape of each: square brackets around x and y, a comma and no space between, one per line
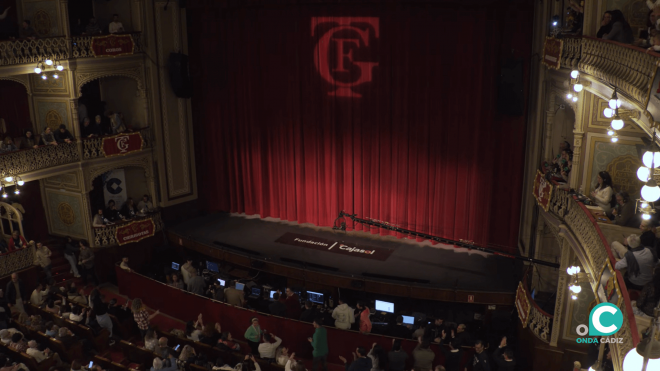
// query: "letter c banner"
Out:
[605,319]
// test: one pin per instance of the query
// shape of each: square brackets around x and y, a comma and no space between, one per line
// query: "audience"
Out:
[17,241]
[400,330]
[47,137]
[309,314]
[115,26]
[70,250]
[423,355]
[63,135]
[92,28]
[481,360]
[8,145]
[234,296]
[277,308]
[253,335]
[141,316]
[196,284]
[620,30]
[26,31]
[226,340]
[319,343]
[42,256]
[124,264]
[639,261]
[649,297]
[378,358]
[150,340]
[210,334]
[292,302]
[504,357]
[145,205]
[623,212]
[360,361]
[90,131]
[397,357]
[28,141]
[602,195]
[269,346]
[365,321]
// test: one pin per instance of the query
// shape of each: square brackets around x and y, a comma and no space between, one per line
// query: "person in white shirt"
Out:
[37,297]
[124,264]
[39,355]
[344,315]
[115,26]
[268,348]
[640,259]
[145,205]
[602,195]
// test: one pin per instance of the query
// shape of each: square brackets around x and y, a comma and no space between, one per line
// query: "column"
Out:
[576,171]
[561,291]
[64,18]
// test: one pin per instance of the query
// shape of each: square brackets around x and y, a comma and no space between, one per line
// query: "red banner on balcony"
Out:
[522,305]
[135,231]
[552,53]
[542,190]
[112,45]
[122,144]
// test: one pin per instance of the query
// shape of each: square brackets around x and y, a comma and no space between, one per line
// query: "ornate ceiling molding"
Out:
[135,73]
[143,161]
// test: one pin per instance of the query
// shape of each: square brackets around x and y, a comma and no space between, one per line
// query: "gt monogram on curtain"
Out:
[387,110]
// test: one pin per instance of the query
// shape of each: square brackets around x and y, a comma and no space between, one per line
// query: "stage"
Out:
[355,253]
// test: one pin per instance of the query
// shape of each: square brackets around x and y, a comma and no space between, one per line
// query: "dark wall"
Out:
[14,107]
[139,254]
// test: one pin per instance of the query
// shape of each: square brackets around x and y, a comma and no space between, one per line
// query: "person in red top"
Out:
[16,241]
[292,303]
[365,321]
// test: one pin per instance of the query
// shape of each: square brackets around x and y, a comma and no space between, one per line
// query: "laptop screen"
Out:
[175,266]
[315,297]
[408,320]
[256,291]
[384,306]
[212,267]
[221,281]
[240,286]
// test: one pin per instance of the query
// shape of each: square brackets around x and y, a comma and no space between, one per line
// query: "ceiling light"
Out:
[651,159]
[651,191]
[55,76]
[17,191]
[646,216]
[573,297]
[569,96]
[575,288]
[575,99]
[578,87]
[614,139]
[643,174]
[9,179]
[610,132]
[60,68]
[608,112]
[575,74]
[49,62]
[617,123]
[37,70]
[44,77]
[615,103]
[21,182]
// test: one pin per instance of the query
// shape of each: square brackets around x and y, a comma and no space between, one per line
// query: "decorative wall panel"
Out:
[601,153]
[65,213]
[51,113]
[50,86]
[44,17]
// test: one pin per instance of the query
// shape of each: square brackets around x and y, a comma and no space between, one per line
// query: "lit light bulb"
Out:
[44,77]
[20,183]
[614,103]
[554,23]
[634,361]
[575,288]
[643,173]
[9,179]
[646,216]
[569,96]
[17,191]
[650,191]
[610,132]
[60,68]
[644,205]
[615,139]
[617,123]
[651,158]
[49,62]
[608,112]
[573,297]
[575,99]
[55,76]
[578,87]
[4,195]
[575,74]
[37,70]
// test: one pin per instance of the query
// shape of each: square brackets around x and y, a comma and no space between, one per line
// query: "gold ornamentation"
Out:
[105,237]
[66,213]
[42,23]
[624,174]
[21,162]
[53,120]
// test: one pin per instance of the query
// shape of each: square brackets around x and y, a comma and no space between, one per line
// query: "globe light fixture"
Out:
[614,102]
[575,288]
[44,77]
[60,68]
[608,112]
[569,96]
[37,70]
[646,216]
[617,123]
[9,179]
[646,356]
[49,62]
[21,183]
[17,191]
[574,297]
[578,87]
[575,74]
[610,132]
[575,99]
[615,138]
[573,270]
[651,159]
[56,76]
[643,173]
[651,191]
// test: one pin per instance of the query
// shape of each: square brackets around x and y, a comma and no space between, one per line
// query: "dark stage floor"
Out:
[444,266]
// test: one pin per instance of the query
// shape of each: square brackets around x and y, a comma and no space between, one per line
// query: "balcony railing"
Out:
[14,261]
[629,68]
[23,51]
[597,252]
[107,236]
[93,147]
[21,162]
[540,322]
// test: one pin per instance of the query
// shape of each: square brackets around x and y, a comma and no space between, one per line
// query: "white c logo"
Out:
[582,330]
[596,319]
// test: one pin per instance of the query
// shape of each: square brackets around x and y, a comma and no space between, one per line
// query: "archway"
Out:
[15,111]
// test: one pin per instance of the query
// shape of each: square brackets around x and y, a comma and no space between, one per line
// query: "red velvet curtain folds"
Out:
[383,109]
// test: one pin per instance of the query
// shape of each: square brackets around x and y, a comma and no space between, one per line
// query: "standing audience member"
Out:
[86,262]
[37,297]
[309,313]
[378,358]
[360,361]
[16,241]
[397,357]
[210,334]
[292,303]
[115,26]
[26,31]
[141,316]
[621,31]
[268,348]
[63,135]
[15,294]
[92,28]
[319,345]
[277,308]
[70,250]
[453,356]
[188,271]
[43,258]
[400,330]
[28,141]
[234,296]
[423,355]
[504,360]
[602,195]
[605,25]
[47,137]
[463,338]
[196,284]
[480,361]
[194,329]
[344,315]
[365,321]
[253,335]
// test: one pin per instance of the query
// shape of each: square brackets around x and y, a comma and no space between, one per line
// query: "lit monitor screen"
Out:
[221,281]
[256,291]
[272,292]
[408,320]
[240,286]
[212,267]
[383,306]
[175,266]
[315,297]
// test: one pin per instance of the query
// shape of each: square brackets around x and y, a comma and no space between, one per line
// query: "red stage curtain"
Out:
[422,146]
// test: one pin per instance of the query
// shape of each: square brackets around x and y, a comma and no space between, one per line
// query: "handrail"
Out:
[93,147]
[540,322]
[82,45]
[23,161]
[16,260]
[106,236]
[525,282]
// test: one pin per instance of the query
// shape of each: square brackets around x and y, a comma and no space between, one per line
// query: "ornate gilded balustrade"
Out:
[93,147]
[629,68]
[540,322]
[107,236]
[17,260]
[597,252]
[21,162]
[57,48]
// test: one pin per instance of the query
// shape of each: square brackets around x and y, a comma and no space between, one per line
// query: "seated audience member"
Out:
[129,209]
[38,295]
[111,212]
[6,335]
[41,356]
[423,355]
[453,356]
[115,26]
[100,220]
[210,334]
[66,337]
[53,330]
[187,356]
[462,338]
[116,123]
[309,314]
[503,356]
[76,296]
[226,340]
[365,321]
[602,195]
[26,31]
[65,311]
[162,349]
[281,356]
[124,264]
[8,145]
[194,329]
[269,346]
[649,296]
[89,130]
[343,315]
[655,42]
[623,213]
[216,291]
[76,366]
[378,358]
[145,205]
[290,365]
[397,357]
[63,135]
[77,315]
[639,261]
[47,137]
[28,141]
[7,364]
[196,284]
[292,303]
[16,241]
[158,365]
[52,308]
[400,330]
[92,27]
[234,296]
[151,340]
[18,343]
[121,312]
[176,282]
[360,361]
[480,361]
[277,308]
[621,31]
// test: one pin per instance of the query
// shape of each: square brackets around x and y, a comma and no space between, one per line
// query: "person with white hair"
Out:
[41,355]
[160,365]
[638,259]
